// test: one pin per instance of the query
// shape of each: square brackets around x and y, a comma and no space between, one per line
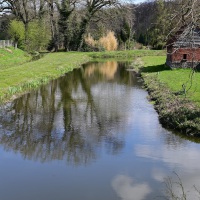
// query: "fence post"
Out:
[6,43]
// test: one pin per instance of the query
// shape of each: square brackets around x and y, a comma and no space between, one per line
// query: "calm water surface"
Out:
[90,135]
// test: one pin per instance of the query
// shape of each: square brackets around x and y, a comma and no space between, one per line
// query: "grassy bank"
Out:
[130,54]
[175,93]
[10,57]
[180,81]
[17,78]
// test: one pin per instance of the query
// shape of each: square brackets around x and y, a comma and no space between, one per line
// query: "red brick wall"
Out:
[192,55]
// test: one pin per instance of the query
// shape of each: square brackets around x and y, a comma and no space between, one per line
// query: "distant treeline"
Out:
[67,24]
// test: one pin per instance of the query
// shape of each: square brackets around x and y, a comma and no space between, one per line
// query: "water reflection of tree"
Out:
[65,120]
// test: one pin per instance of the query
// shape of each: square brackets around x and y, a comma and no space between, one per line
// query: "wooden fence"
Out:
[6,43]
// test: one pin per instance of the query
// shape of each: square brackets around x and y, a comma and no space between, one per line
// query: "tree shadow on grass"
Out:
[164,67]
[155,68]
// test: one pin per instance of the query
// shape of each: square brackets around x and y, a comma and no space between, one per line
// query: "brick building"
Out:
[183,49]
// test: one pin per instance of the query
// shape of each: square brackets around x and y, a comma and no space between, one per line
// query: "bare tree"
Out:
[184,12]
[92,7]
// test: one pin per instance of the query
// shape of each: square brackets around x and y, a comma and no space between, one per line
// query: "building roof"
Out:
[186,37]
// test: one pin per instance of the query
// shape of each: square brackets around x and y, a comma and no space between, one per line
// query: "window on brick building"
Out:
[184,56]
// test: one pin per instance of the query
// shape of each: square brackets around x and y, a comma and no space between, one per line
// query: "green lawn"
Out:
[11,57]
[175,79]
[18,78]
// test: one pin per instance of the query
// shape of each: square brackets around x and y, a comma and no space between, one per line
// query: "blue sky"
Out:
[139,1]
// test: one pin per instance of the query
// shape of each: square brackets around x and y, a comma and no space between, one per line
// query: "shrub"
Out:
[16,31]
[107,42]
[90,41]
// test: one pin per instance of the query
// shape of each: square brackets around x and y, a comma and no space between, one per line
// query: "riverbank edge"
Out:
[175,112]
[54,68]
[60,68]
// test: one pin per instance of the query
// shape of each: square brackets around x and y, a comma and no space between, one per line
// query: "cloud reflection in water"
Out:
[183,161]
[184,157]
[126,189]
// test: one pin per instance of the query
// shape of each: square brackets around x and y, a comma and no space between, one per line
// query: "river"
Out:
[91,135]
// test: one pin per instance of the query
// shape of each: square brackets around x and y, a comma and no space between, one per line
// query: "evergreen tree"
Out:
[125,33]
[160,29]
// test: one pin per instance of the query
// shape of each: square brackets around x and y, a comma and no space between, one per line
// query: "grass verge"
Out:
[17,79]
[175,95]
[130,54]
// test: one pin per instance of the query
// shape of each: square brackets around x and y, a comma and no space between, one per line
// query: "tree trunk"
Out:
[53,27]
[83,28]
